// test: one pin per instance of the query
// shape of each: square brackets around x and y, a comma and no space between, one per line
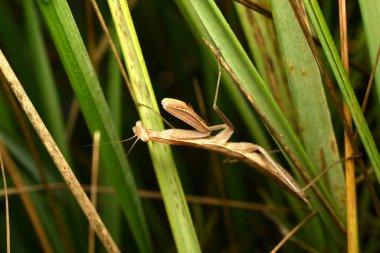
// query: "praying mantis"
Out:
[201,137]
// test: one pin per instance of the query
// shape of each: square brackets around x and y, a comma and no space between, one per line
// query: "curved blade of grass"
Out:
[261,37]
[169,182]
[83,79]
[343,81]
[260,98]
[313,115]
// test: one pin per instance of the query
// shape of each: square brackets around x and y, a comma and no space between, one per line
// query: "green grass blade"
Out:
[370,10]
[258,94]
[166,172]
[260,34]
[343,81]
[247,115]
[45,84]
[306,87]
[82,77]
[110,209]
[232,52]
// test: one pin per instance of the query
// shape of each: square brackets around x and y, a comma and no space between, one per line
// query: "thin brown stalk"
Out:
[323,172]
[155,195]
[57,156]
[18,181]
[8,228]
[293,231]
[94,186]
[256,7]
[90,33]
[113,48]
[368,91]
[284,231]
[57,215]
[72,118]
[102,48]
[370,82]
[352,214]
[200,99]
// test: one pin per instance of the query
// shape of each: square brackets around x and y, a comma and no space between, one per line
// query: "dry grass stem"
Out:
[293,231]
[352,220]
[8,229]
[57,156]
[26,199]
[94,186]
[208,201]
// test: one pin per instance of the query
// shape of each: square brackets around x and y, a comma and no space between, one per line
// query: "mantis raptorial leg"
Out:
[185,113]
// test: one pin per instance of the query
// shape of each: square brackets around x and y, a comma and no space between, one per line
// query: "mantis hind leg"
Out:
[282,174]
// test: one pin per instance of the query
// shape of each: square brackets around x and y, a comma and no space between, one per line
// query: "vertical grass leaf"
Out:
[163,162]
[85,84]
[332,55]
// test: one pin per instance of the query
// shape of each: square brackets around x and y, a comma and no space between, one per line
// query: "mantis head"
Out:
[140,131]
